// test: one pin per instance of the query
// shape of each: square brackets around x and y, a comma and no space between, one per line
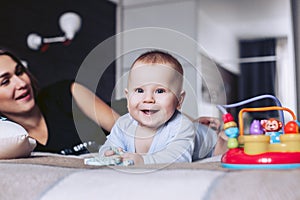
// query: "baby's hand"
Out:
[136,158]
[113,151]
[109,153]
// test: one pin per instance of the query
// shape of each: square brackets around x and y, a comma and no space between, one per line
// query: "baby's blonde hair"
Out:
[159,57]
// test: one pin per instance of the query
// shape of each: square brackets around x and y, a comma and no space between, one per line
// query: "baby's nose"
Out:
[149,98]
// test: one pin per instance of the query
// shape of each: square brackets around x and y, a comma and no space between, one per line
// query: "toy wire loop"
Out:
[241,124]
[222,108]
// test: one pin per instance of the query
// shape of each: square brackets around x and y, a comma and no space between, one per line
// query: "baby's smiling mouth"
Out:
[149,112]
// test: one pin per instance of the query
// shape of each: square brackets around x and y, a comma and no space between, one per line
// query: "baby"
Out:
[154,130]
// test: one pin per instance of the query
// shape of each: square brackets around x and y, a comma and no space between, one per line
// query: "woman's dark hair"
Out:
[33,80]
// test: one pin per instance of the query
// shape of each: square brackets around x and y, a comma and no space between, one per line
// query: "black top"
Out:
[55,102]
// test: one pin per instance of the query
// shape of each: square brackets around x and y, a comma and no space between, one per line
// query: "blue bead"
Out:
[232,132]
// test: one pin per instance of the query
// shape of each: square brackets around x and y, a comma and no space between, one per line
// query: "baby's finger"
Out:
[120,150]
[126,155]
[109,153]
[127,159]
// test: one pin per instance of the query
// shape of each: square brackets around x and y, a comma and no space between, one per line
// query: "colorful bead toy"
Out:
[270,143]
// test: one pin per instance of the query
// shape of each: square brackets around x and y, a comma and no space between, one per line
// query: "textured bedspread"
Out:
[49,176]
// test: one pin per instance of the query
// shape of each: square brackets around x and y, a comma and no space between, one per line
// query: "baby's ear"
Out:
[180,99]
[126,95]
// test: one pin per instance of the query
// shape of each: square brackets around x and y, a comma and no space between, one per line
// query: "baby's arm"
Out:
[114,146]
[114,140]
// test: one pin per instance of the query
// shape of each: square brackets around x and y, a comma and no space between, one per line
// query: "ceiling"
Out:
[250,18]
[245,18]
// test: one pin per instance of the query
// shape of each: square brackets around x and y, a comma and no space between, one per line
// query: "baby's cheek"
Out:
[134,99]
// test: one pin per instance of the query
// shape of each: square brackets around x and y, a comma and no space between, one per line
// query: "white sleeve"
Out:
[205,141]
[180,149]
[114,139]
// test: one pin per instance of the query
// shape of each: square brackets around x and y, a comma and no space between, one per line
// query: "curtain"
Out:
[257,78]
[295,4]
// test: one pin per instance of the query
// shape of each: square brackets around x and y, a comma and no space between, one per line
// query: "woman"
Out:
[47,115]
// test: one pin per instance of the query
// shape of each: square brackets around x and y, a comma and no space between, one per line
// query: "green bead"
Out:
[232,143]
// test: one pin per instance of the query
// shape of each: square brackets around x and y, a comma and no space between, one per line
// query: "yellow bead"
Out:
[229,124]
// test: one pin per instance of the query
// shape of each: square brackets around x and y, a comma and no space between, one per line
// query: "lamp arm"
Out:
[54,39]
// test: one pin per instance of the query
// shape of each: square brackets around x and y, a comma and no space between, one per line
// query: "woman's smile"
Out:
[25,96]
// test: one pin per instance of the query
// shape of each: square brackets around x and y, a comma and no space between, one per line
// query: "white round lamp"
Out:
[70,23]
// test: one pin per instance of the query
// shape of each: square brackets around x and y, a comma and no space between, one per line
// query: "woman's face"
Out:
[16,94]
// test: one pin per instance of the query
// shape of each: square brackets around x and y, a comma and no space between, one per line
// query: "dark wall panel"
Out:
[19,18]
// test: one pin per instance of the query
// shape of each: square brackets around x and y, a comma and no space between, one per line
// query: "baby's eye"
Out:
[139,90]
[160,90]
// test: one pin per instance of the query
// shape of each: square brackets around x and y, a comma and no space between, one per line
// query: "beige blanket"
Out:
[50,176]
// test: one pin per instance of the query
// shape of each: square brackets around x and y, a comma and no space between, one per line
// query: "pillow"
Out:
[14,141]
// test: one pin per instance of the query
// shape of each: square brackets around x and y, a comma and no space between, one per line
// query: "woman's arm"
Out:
[215,124]
[94,107]
[212,122]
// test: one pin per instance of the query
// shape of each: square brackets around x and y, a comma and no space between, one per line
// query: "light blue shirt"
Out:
[173,141]
[205,142]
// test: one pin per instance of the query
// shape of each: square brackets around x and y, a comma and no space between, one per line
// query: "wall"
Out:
[222,23]
[167,25]
[220,45]
[20,18]
[217,26]
[217,41]
[208,38]
[296,26]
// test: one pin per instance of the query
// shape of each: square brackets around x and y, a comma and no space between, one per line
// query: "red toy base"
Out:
[237,156]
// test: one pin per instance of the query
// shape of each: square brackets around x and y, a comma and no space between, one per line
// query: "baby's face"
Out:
[154,93]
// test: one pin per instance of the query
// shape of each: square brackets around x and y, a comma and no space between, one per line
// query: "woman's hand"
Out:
[221,145]
[213,122]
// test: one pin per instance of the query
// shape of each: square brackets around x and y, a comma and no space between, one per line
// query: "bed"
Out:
[52,176]
[42,176]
